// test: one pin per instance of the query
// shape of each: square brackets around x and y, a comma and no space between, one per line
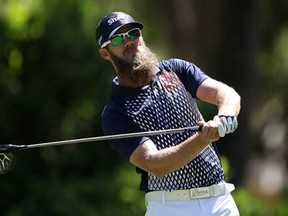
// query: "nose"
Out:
[127,38]
[127,41]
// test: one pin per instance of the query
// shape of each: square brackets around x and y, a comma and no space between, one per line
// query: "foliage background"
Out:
[54,85]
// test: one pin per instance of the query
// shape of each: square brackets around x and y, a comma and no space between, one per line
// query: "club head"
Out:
[7,161]
[11,147]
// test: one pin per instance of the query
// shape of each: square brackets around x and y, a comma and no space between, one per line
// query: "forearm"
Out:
[223,96]
[228,101]
[162,162]
[171,159]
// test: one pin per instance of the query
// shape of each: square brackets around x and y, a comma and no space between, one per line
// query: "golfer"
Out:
[181,173]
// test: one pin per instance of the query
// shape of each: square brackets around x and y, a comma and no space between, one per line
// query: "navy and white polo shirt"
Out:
[167,102]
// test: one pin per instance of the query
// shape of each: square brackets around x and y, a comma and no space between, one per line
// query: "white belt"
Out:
[194,193]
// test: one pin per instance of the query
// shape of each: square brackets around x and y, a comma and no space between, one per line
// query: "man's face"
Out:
[132,60]
[128,50]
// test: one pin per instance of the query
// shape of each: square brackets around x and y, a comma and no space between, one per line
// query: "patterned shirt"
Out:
[167,102]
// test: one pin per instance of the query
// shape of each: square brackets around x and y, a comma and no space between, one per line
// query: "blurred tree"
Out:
[53,87]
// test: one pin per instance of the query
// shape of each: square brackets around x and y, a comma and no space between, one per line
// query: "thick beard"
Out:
[138,71]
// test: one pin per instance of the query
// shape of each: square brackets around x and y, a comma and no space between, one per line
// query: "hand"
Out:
[209,130]
[226,124]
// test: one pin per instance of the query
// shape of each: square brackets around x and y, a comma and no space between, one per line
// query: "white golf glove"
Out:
[226,124]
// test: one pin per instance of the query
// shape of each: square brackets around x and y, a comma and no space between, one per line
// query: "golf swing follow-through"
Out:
[153,120]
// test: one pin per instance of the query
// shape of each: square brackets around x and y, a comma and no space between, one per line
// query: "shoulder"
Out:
[189,74]
[114,109]
[184,69]
[181,67]
[173,64]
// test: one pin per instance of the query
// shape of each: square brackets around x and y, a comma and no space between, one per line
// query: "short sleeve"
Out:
[190,75]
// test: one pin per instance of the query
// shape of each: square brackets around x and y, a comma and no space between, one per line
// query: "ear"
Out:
[103,52]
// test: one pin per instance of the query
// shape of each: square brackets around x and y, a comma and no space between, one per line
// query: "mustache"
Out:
[129,48]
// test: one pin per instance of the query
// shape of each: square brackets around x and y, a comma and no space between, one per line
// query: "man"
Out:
[180,173]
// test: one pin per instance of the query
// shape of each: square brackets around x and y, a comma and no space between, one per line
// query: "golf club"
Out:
[8,152]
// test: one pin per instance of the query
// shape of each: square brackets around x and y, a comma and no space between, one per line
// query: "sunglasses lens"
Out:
[117,40]
[134,34]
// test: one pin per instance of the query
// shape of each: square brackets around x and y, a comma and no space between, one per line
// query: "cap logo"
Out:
[112,20]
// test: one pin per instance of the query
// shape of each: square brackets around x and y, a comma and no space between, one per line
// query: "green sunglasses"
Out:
[118,39]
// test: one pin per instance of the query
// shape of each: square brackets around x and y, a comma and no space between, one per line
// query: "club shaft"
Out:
[113,137]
